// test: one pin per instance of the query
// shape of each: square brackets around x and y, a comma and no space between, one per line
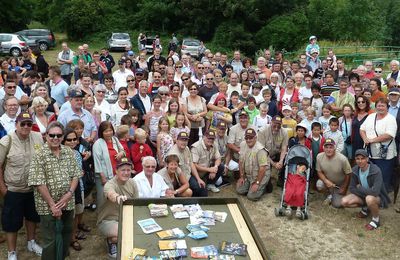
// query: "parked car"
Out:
[42,38]
[149,44]
[190,46]
[119,41]
[12,44]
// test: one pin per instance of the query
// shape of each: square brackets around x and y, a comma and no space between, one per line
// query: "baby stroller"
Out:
[297,155]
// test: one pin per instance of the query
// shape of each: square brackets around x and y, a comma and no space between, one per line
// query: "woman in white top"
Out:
[178,72]
[121,107]
[40,116]
[142,63]
[151,185]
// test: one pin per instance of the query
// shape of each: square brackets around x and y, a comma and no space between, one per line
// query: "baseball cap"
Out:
[139,71]
[277,119]
[286,107]
[76,93]
[221,125]
[329,141]
[394,91]
[313,50]
[22,117]
[362,152]
[250,132]
[183,136]
[123,161]
[302,125]
[121,61]
[131,53]
[243,113]
[210,134]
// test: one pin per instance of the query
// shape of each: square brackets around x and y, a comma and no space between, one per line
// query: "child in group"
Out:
[305,103]
[137,120]
[295,111]
[251,109]
[256,92]
[123,137]
[287,121]
[272,106]
[173,108]
[244,97]
[139,150]
[263,118]
[316,100]
[313,46]
[295,188]
[300,137]
[335,134]
[317,146]
[310,118]
[181,125]
[164,141]
[13,66]
[127,120]
[214,117]
[326,117]
[345,123]
[236,106]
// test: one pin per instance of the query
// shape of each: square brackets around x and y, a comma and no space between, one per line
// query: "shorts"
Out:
[106,228]
[336,197]
[17,206]
[79,208]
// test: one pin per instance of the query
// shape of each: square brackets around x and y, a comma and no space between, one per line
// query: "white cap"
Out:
[312,37]
[286,108]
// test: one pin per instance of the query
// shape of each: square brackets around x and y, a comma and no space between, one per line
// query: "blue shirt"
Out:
[59,92]
[363,177]
[85,116]
[393,110]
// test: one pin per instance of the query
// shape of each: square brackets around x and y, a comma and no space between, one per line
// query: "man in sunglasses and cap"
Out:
[254,167]
[16,152]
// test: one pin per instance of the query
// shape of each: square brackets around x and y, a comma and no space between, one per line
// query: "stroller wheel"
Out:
[278,212]
[305,215]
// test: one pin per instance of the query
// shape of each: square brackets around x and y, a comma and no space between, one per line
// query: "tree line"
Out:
[247,25]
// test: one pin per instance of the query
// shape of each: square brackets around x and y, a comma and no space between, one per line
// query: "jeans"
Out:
[220,172]
[99,191]
[48,231]
[197,190]
[387,168]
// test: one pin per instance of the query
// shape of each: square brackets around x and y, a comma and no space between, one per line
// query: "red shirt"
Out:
[137,154]
[112,153]
[124,144]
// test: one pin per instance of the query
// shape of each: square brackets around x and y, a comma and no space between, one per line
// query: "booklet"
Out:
[172,244]
[158,210]
[171,233]
[179,211]
[203,251]
[193,228]
[220,216]
[173,254]
[192,208]
[149,225]
[199,234]
[232,248]
[222,257]
[136,252]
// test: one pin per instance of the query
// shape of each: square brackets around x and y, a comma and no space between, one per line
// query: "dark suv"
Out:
[43,38]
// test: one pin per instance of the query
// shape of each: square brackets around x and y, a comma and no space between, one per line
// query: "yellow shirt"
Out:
[289,125]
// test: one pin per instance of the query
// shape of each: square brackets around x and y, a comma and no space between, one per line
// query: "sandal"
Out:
[372,225]
[80,235]
[75,245]
[362,214]
[84,227]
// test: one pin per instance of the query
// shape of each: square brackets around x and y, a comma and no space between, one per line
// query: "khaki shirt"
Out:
[204,157]
[273,143]
[185,159]
[335,168]
[110,210]
[236,136]
[17,155]
[252,159]
[170,182]
[54,172]
[221,145]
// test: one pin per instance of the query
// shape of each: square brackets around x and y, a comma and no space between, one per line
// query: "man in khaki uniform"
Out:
[275,139]
[254,167]
[187,166]
[16,152]
[207,160]
[235,138]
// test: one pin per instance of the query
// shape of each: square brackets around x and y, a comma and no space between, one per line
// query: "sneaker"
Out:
[12,255]
[328,200]
[224,183]
[34,247]
[288,212]
[298,213]
[111,249]
[212,188]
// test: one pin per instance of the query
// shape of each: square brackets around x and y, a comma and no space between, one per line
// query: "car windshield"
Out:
[191,43]
[121,36]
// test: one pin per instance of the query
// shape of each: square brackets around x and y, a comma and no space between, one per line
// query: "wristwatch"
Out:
[70,191]
[258,182]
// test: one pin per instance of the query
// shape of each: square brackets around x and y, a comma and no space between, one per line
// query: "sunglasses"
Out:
[248,138]
[12,87]
[52,136]
[101,91]
[130,80]
[193,89]
[378,71]
[185,79]
[71,139]
[178,67]
[162,94]
[361,102]
[28,124]
[139,74]
[210,78]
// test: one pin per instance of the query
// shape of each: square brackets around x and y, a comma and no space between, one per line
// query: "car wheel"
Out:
[43,46]
[15,52]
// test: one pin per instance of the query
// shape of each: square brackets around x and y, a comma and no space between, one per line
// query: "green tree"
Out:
[15,15]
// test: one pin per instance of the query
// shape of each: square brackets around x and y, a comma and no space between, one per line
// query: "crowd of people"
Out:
[151,126]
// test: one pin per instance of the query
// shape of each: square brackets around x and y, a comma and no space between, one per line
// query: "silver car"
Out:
[12,44]
[190,46]
[119,41]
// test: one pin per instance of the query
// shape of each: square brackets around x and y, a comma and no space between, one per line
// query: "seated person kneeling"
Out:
[366,190]
[254,167]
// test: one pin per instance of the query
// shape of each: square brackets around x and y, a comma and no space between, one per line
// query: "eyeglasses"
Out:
[178,67]
[130,80]
[28,124]
[12,87]
[52,136]
[150,166]
[71,139]
[210,78]
[360,102]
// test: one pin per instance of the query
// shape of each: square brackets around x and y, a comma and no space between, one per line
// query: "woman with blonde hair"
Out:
[41,117]
[41,90]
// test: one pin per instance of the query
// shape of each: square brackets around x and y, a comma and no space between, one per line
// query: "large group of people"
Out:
[182,126]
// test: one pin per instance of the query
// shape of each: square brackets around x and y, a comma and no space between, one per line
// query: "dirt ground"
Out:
[329,233]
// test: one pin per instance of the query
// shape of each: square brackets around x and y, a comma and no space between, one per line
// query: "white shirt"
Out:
[8,123]
[237,88]
[120,78]
[304,92]
[104,108]
[117,113]
[146,102]
[157,190]
[18,93]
